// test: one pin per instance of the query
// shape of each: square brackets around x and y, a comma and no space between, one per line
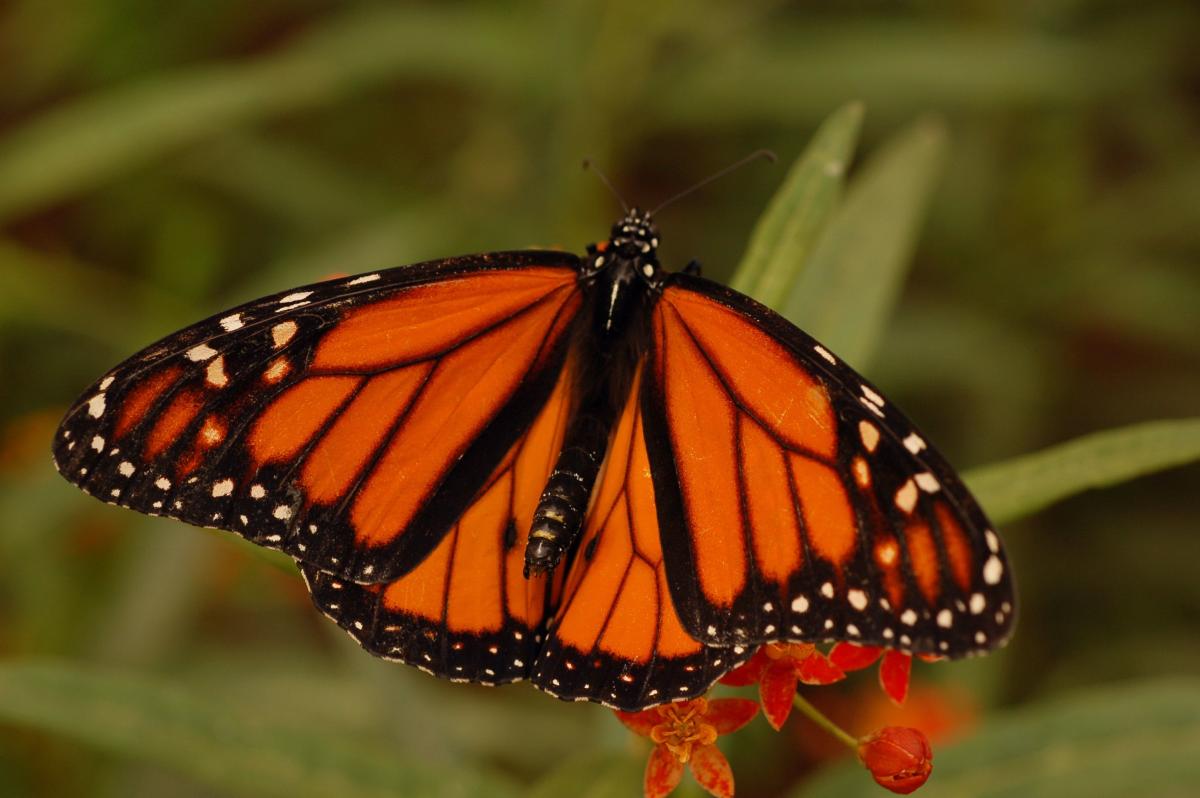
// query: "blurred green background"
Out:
[162,161]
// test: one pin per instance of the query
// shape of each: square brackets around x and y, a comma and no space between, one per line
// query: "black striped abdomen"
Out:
[559,516]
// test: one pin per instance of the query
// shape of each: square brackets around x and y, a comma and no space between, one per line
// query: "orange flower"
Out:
[686,732]
[778,668]
[893,671]
[898,758]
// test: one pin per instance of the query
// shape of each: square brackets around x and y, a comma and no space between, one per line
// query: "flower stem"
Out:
[816,716]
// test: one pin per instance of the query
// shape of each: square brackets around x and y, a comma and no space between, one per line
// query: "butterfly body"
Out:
[588,472]
[618,281]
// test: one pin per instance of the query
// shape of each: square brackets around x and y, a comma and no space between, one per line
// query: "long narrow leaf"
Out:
[845,295]
[225,747]
[785,234]
[86,142]
[1024,485]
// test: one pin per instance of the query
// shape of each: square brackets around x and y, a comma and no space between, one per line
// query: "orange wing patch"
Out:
[617,638]
[466,611]
[796,503]
[349,423]
[754,441]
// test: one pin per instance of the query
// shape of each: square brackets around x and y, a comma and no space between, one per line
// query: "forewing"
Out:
[616,638]
[348,423]
[466,612]
[796,502]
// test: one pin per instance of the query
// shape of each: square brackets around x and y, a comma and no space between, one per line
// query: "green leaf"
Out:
[785,234]
[845,295]
[1140,739]
[1024,485]
[81,144]
[227,747]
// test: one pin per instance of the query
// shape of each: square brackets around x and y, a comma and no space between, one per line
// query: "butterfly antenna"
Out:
[589,166]
[733,167]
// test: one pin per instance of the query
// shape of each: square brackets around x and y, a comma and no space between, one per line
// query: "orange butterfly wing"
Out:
[466,612]
[349,423]
[616,638]
[795,502]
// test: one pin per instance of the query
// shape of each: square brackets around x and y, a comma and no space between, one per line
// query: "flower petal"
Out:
[893,675]
[853,657]
[777,689]
[712,771]
[748,672]
[727,715]
[663,773]
[640,722]
[817,669]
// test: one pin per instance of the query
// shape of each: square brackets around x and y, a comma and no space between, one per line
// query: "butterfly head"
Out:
[634,236]
[632,248]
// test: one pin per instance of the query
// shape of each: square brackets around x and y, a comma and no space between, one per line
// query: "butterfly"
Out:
[589,472]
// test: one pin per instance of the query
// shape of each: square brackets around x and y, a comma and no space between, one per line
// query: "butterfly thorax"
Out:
[620,278]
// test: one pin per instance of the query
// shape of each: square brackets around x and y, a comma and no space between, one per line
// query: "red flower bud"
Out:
[899,759]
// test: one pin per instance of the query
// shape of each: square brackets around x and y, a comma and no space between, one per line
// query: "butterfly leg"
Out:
[692,268]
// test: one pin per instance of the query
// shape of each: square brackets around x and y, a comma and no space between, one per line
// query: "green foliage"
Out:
[845,295]
[1024,485]
[1104,743]
[1046,212]
[788,229]
[224,746]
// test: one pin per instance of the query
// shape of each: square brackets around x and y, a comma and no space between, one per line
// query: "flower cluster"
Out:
[685,733]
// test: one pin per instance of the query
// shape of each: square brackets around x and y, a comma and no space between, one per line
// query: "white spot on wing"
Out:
[107,382]
[906,497]
[282,333]
[282,512]
[201,353]
[96,405]
[98,443]
[857,599]
[927,482]
[914,443]
[257,491]
[823,352]
[214,375]
[993,542]
[871,406]
[872,397]
[800,604]
[945,619]
[162,483]
[222,488]
[366,278]
[295,297]
[126,468]
[231,323]
[908,617]
[869,434]
[827,590]
[992,570]
[978,602]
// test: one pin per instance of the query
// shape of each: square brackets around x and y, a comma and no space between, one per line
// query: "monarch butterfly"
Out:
[589,472]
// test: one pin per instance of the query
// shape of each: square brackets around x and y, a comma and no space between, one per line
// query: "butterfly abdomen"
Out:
[560,512]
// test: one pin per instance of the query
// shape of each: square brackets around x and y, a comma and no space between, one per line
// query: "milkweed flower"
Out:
[898,758]
[894,670]
[685,733]
[778,668]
